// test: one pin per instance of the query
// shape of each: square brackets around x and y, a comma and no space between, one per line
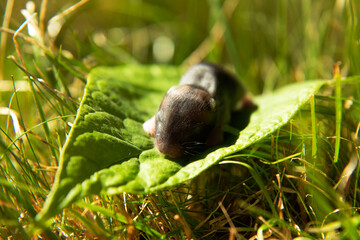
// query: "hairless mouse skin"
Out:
[192,115]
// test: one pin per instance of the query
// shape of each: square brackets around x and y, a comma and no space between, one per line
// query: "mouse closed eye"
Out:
[192,115]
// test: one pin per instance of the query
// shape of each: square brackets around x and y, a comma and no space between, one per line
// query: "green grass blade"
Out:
[338,107]
[314,131]
[259,181]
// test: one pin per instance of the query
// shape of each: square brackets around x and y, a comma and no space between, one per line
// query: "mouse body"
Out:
[192,115]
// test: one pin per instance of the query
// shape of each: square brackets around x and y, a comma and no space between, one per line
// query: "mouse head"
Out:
[184,121]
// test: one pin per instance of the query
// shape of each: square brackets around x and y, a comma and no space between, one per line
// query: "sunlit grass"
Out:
[300,182]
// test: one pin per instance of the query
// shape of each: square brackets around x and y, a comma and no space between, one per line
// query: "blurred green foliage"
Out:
[268,43]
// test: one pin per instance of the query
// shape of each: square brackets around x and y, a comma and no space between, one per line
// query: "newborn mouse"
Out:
[192,115]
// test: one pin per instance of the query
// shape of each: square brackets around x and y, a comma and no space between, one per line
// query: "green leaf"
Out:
[107,151]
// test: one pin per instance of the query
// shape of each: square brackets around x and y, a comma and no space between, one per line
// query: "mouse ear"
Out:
[212,103]
[150,126]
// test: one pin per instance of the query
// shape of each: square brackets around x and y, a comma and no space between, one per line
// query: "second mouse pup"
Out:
[192,115]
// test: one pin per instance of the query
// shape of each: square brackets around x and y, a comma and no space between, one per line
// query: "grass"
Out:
[302,182]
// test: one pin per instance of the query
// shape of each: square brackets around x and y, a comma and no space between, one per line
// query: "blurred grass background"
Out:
[267,43]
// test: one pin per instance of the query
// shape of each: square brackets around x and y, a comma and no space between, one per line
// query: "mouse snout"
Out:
[171,150]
